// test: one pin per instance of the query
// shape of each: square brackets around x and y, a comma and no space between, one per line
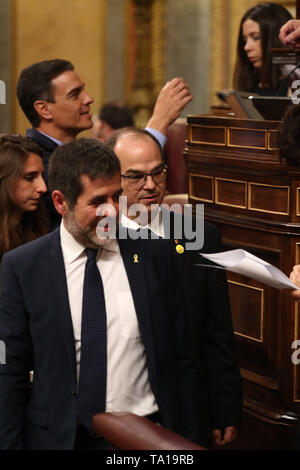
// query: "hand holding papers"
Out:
[242,262]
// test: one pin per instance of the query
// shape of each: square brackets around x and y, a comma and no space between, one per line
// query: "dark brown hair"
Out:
[35,83]
[116,114]
[81,157]
[270,17]
[289,136]
[14,151]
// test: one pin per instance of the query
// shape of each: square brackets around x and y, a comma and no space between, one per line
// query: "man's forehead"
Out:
[137,149]
[67,80]
[101,183]
[132,138]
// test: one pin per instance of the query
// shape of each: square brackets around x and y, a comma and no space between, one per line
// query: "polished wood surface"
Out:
[234,169]
[127,431]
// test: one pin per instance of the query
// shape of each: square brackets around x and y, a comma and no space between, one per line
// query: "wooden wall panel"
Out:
[269,198]
[257,208]
[208,135]
[231,193]
[202,187]
[239,137]
[246,298]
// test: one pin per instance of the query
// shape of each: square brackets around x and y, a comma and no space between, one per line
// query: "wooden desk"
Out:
[234,169]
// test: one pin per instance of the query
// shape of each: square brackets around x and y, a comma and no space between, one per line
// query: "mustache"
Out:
[107,221]
[149,193]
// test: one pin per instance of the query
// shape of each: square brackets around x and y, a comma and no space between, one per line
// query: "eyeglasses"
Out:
[139,179]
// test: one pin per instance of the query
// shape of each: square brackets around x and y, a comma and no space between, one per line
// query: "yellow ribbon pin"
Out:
[135,258]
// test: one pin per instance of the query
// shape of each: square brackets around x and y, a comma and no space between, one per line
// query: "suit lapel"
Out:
[59,301]
[177,245]
[48,144]
[134,259]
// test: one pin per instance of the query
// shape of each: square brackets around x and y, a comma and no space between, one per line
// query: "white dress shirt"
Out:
[128,387]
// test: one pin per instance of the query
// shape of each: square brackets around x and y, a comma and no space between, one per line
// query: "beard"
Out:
[87,236]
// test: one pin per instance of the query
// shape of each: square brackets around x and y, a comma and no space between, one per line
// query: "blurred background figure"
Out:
[112,116]
[258,34]
[289,136]
[22,215]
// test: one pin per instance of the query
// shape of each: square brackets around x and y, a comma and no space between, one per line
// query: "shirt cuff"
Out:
[162,139]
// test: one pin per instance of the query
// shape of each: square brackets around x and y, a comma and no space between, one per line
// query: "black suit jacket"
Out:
[36,326]
[205,294]
[48,146]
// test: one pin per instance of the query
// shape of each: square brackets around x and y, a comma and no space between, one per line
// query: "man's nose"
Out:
[88,99]
[109,209]
[148,182]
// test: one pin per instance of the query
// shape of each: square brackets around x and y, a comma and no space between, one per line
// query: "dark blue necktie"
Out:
[91,396]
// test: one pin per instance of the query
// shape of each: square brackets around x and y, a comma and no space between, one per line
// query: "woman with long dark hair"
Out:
[22,215]
[258,34]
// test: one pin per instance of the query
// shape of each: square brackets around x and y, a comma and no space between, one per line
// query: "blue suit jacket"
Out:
[36,326]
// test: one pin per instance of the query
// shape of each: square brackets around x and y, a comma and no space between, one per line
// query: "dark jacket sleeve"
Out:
[14,373]
[218,343]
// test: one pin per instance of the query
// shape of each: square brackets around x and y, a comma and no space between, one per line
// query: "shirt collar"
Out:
[73,250]
[58,142]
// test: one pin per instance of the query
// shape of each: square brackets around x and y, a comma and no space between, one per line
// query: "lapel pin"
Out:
[179,249]
[135,258]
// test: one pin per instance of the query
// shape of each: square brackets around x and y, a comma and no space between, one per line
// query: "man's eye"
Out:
[136,177]
[157,172]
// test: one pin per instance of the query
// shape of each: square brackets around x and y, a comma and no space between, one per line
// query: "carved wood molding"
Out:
[158,62]
[146,56]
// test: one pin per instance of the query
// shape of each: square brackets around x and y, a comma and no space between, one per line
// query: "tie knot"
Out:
[91,254]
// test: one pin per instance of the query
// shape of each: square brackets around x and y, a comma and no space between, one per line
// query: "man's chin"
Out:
[102,237]
[93,241]
[85,125]
[98,242]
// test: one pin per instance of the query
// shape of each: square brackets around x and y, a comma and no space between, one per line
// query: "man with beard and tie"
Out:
[94,317]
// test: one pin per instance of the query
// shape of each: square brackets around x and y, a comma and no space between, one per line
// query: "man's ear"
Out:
[43,108]
[60,202]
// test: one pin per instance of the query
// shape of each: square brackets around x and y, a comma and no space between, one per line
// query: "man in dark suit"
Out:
[53,98]
[205,293]
[47,305]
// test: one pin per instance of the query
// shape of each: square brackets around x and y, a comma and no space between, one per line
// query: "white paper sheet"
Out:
[242,262]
